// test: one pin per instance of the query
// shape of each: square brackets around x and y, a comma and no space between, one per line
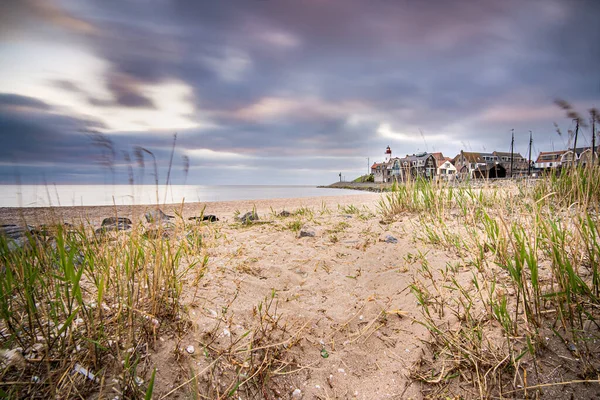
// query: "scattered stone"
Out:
[113,228]
[390,239]
[249,217]
[190,349]
[307,232]
[297,393]
[115,221]
[17,236]
[209,218]
[157,216]
[284,214]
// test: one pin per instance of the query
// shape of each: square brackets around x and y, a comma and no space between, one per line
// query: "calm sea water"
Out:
[99,195]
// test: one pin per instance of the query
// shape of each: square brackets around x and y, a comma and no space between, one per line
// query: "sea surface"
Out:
[101,195]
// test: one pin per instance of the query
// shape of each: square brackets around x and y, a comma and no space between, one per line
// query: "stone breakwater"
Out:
[473,183]
[367,186]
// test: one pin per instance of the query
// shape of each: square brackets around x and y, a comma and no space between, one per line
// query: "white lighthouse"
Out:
[388,154]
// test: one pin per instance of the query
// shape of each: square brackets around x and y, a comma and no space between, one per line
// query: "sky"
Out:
[282,91]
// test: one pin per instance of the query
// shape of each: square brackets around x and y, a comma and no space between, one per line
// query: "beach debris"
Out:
[390,239]
[297,393]
[78,368]
[249,217]
[14,357]
[324,353]
[284,213]
[209,218]
[306,232]
[190,349]
[157,216]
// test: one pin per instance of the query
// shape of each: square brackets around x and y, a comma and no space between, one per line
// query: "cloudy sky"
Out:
[282,91]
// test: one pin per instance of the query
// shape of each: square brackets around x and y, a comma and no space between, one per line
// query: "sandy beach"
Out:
[345,290]
[225,209]
[343,297]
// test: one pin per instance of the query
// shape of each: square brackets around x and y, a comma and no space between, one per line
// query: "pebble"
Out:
[307,232]
[390,239]
[297,393]
[190,349]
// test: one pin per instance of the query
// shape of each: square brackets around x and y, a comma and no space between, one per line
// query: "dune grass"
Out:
[85,308]
[529,253]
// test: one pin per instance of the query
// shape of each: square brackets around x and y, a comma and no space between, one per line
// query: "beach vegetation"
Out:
[102,300]
[531,249]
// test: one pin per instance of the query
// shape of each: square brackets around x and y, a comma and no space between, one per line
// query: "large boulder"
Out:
[17,236]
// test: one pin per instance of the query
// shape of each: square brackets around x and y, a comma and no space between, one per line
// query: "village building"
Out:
[446,170]
[584,155]
[421,165]
[520,165]
[471,165]
[549,159]
[395,169]
[466,164]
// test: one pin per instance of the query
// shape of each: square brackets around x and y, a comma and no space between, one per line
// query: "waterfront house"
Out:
[421,165]
[379,172]
[466,163]
[520,164]
[471,165]
[446,170]
[549,159]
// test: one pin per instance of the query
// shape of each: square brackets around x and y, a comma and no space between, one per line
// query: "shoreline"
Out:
[222,209]
[362,186]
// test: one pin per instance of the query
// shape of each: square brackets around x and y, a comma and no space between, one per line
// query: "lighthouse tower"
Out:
[388,154]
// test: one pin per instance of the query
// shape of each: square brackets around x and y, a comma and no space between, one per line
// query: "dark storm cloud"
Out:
[10,100]
[39,136]
[309,78]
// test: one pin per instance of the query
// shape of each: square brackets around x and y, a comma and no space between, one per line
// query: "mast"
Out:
[593,136]
[530,143]
[574,156]
[512,151]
